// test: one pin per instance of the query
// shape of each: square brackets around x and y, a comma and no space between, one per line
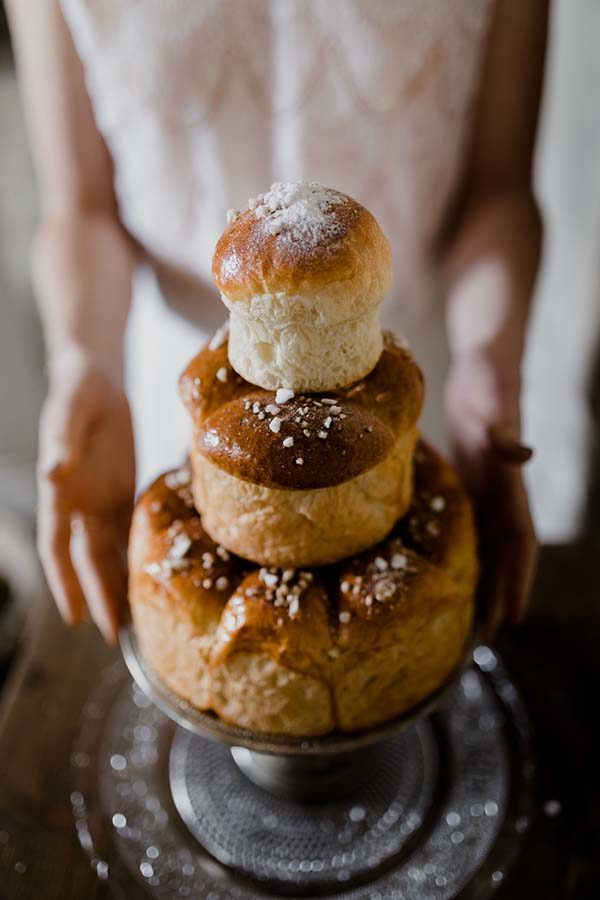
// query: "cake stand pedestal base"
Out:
[436,811]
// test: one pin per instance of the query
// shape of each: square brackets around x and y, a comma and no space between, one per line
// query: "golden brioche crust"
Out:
[302,653]
[312,527]
[274,481]
[336,436]
[327,444]
[345,245]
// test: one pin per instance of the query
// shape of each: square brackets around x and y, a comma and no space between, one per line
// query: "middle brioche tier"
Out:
[310,479]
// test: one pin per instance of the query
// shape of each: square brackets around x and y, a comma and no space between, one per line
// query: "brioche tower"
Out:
[313,567]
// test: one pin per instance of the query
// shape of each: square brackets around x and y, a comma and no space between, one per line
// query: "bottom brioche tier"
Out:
[305,652]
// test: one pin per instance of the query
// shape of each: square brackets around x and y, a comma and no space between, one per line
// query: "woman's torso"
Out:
[204,103]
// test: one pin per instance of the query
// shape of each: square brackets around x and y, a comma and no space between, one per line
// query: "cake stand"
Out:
[171,802]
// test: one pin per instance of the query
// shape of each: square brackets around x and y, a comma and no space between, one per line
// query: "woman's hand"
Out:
[82,265]
[86,487]
[483,417]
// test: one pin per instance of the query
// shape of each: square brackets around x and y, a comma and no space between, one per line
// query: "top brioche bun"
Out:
[303,272]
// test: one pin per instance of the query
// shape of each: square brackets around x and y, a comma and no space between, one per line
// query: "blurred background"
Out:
[561,420]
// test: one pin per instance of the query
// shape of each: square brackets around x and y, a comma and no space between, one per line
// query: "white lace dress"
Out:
[204,103]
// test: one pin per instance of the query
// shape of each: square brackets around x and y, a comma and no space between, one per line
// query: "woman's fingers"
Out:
[494,607]
[491,458]
[506,448]
[99,564]
[506,592]
[521,579]
[509,546]
[492,585]
[83,563]
[519,543]
[53,537]
[86,478]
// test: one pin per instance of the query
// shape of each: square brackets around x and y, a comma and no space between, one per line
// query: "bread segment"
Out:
[305,651]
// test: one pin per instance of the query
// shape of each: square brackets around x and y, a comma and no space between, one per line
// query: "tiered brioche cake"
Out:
[305,428]
[300,652]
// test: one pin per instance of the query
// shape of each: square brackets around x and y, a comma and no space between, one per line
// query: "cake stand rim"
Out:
[209,725]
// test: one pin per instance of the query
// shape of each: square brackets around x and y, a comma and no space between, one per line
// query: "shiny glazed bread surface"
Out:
[304,652]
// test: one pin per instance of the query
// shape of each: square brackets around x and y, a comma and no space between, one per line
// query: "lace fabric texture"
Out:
[205,102]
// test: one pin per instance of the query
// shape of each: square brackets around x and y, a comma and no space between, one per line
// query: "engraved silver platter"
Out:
[429,807]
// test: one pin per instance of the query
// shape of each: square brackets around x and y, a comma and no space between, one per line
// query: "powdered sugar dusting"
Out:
[299,211]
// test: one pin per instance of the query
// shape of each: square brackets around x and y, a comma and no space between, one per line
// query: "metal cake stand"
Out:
[171,802]
[296,768]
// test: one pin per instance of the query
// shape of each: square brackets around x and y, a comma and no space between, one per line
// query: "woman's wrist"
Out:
[71,361]
[82,268]
[486,388]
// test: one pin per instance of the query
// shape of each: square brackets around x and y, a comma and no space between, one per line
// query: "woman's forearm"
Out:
[82,257]
[489,269]
[82,269]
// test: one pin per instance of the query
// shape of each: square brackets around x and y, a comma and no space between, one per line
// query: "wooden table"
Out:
[555,658]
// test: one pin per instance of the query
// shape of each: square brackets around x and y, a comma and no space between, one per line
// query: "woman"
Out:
[148,121]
